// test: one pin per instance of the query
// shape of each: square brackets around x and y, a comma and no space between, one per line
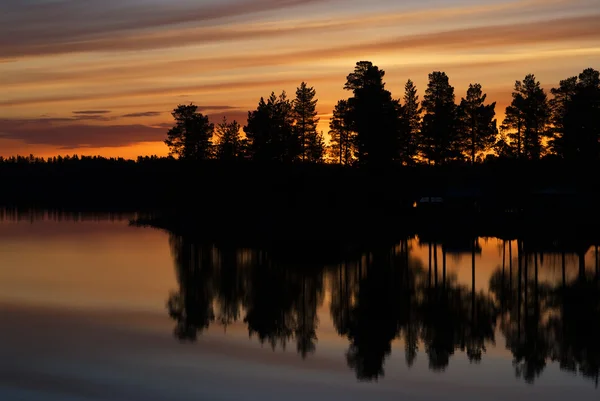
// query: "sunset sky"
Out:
[100,77]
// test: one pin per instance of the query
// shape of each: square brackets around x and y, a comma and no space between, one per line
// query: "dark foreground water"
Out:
[99,310]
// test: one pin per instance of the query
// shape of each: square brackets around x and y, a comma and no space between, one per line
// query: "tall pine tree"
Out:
[477,125]
[411,123]
[315,149]
[229,142]
[512,129]
[191,136]
[439,135]
[373,115]
[529,113]
[305,113]
[342,138]
[576,117]
[270,130]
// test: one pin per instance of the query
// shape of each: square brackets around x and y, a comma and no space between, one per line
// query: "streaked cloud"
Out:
[91,112]
[142,114]
[32,25]
[161,91]
[584,29]
[73,38]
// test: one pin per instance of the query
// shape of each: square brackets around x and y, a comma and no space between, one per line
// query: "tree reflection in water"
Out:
[387,294]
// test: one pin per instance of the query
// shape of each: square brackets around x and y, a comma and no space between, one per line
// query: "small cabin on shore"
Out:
[429,201]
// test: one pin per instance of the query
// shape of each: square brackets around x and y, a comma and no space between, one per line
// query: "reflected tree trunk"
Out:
[346,286]
[582,265]
[525,282]
[564,270]
[444,266]
[535,262]
[503,256]
[435,264]
[597,261]
[502,294]
[430,251]
[473,244]
[406,270]
[510,264]
[519,265]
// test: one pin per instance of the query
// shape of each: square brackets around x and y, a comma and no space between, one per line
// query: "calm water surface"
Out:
[95,309]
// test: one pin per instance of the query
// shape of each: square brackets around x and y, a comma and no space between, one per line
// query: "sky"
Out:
[95,77]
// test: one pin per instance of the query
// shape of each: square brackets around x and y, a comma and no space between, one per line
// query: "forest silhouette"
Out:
[372,127]
[384,154]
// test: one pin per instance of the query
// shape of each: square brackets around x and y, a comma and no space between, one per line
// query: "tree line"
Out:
[372,127]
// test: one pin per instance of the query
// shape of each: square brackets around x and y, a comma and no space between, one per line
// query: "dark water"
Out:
[94,309]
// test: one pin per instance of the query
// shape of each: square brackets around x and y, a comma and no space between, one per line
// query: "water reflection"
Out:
[390,294]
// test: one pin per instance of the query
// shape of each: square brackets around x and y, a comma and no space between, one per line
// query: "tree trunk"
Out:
[473,267]
[406,256]
[473,294]
[435,263]
[525,279]
[519,264]
[510,264]
[473,130]
[444,266]
[597,265]
[303,138]
[502,295]
[581,265]
[519,140]
[503,257]
[564,273]
[536,285]
[429,264]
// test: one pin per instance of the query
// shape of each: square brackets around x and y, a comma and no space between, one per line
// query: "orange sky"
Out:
[92,77]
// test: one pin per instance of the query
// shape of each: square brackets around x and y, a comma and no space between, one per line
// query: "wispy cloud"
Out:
[165,91]
[34,25]
[582,29]
[202,107]
[182,35]
[91,112]
[142,114]
[92,115]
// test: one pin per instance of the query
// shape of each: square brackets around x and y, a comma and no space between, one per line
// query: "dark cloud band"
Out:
[33,26]
[73,133]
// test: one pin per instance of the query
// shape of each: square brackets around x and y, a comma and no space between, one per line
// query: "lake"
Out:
[94,308]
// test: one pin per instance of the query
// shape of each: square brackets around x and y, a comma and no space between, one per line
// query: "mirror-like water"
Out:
[93,308]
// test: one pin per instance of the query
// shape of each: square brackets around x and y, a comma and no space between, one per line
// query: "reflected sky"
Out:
[84,318]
